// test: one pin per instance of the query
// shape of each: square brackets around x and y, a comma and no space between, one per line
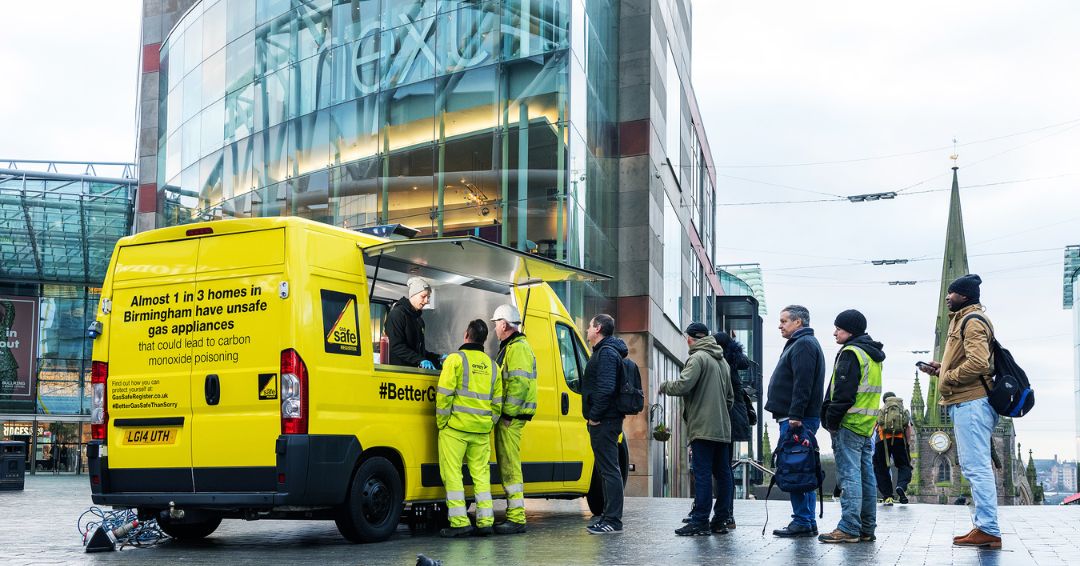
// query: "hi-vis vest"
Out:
[518,365]
[862,416]
[469,396]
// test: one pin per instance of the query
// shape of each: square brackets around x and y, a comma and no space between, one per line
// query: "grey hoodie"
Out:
[705,387]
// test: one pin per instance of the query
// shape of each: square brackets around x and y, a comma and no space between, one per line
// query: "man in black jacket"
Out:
[405,328]
[795,393]
[598,389]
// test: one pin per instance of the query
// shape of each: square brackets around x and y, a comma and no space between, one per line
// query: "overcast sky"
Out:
[811,82]
[778,84]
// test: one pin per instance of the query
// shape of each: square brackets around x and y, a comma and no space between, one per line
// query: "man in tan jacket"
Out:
[964,363]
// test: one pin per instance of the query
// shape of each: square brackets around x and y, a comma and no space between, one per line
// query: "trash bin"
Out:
[12,465]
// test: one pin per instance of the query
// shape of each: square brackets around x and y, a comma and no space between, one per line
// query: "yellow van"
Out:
[236,374]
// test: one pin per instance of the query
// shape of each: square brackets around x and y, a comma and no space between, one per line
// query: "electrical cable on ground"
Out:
[144,534]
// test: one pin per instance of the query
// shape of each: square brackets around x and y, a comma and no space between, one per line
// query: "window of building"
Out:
[673,116]
[672,242]
[944,471]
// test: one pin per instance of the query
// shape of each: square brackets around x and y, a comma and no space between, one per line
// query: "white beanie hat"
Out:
[417,285]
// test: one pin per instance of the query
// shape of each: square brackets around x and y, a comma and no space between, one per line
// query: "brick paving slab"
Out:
[39,527]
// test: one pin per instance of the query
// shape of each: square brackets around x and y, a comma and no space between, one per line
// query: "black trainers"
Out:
[793,530]
[901,496]
[595,520]
[867,537]
[693,530]
[509,528]
[604,528]
[718,527]
[456,532]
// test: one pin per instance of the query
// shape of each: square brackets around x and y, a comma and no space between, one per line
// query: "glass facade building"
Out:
[565,127]
[450,116]
[1071,299]
[57,235]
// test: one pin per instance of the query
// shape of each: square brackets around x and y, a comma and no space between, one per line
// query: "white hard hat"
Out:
[509,313]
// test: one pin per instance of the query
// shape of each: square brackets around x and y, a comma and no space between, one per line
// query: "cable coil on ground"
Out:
[123,524]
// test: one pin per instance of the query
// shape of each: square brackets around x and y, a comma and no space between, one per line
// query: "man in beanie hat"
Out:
[405,328]
[964,362]
[705,387]
[849,413]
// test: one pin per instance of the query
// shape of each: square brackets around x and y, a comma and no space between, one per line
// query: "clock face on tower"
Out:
[940,441]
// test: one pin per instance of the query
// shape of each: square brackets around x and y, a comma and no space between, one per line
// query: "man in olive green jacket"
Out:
[964,363]
[705,387]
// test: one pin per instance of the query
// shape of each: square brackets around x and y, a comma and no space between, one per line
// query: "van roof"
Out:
[238,225]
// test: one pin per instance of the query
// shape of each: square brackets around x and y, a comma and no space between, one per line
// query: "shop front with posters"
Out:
[58,236]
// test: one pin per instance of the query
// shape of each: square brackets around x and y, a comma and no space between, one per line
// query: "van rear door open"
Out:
[238,332]
[149,393]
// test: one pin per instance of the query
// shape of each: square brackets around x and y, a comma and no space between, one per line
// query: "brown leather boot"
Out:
[980,539]
[965,535]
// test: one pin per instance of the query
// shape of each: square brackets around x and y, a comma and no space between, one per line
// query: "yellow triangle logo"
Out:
[344,331]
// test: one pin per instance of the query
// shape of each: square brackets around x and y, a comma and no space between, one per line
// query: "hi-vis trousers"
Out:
[474,449]
[508,452]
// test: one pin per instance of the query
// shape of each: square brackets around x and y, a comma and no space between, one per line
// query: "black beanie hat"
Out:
[967,286]
[852,321]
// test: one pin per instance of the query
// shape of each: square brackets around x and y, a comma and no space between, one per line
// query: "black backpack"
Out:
[797,467]
[1011,394]
[629,396]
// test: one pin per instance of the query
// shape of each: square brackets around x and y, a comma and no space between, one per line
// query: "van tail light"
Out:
[294,393]
[99,414]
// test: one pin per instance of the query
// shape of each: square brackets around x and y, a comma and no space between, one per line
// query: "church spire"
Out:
[917,407]
[954,265]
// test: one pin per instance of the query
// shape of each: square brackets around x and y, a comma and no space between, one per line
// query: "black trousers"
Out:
[896,449]
[605,446]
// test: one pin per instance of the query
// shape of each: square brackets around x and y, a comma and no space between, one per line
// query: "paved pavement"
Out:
[38,526]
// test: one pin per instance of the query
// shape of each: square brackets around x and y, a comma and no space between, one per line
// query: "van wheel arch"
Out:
[375,498]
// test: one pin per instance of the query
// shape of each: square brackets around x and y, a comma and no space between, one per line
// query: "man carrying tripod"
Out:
[893,432]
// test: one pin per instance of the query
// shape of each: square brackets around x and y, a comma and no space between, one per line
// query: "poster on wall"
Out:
[18,339]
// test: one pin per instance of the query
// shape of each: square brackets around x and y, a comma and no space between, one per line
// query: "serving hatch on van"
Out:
[237,374]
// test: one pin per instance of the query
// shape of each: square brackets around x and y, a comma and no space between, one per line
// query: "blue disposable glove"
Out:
[426,364]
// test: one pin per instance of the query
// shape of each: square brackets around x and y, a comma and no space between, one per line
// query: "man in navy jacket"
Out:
[796,391]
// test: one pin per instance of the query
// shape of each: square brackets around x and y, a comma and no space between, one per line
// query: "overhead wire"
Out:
[893,155]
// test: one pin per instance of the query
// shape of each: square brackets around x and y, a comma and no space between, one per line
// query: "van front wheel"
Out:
[595,497]
[373,508]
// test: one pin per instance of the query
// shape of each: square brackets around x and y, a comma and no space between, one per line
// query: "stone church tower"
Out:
[937,477]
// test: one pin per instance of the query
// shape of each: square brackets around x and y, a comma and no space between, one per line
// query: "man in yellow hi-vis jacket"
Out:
[467,404]
[517,365]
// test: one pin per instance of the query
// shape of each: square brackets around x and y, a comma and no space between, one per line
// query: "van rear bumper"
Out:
[311,470]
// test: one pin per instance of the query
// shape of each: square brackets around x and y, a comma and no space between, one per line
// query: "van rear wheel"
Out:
[189,531]
[373,508]
[595,496]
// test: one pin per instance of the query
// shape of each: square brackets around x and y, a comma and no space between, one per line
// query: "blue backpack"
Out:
[797,466]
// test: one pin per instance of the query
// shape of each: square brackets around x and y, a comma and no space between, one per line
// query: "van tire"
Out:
[373,507]
[595,497]
[189,531]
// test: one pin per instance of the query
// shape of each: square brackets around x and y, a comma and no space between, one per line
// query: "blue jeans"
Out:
[711,460]
[973,425]
[854,455]
[802,504]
